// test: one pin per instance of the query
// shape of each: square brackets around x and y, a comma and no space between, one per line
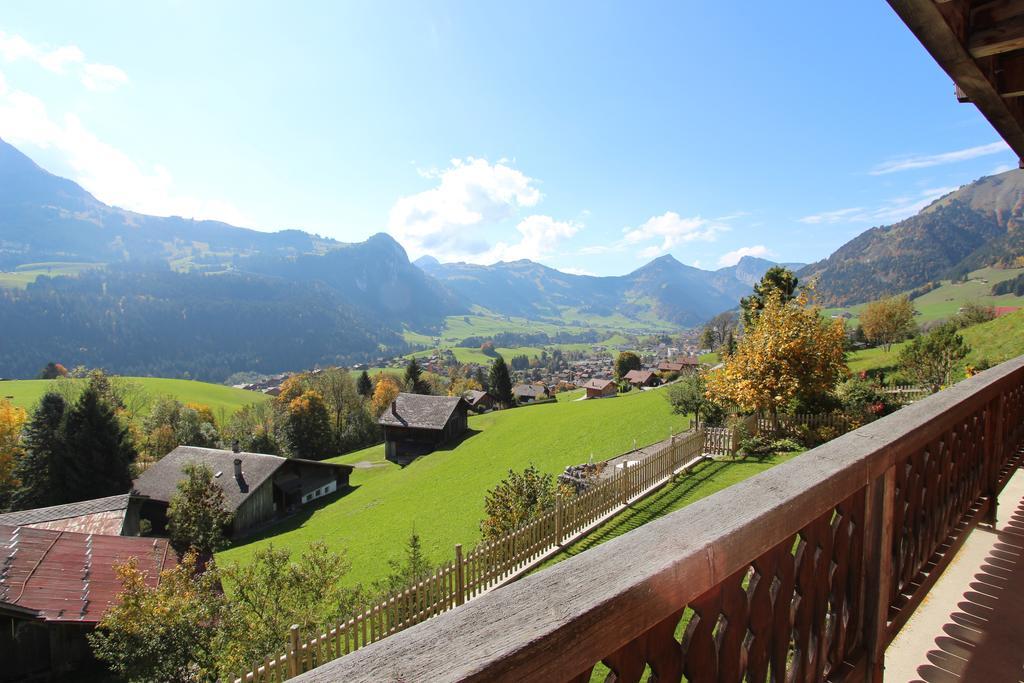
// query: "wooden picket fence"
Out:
[839,421]
[906,393]
[725,441]
[487,566]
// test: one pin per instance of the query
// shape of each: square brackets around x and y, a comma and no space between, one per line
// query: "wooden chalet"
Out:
[600,388]
[680,365]
[257,487]
[55,586]
[528,393]
[642,378]
[415,425]
[479,401]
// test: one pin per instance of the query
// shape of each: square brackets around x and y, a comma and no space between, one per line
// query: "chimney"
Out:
[394,408]
[238,469]
[235,447]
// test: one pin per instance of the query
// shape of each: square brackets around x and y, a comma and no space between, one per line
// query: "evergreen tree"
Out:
[481,378]
[500,382]
[778,281]
[38,470]
[364,385]
[414,381]
[99,451]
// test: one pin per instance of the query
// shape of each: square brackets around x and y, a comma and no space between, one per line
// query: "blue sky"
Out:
[589,136]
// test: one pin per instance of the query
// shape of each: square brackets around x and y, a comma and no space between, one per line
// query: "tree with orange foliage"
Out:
[11,420]
[789,352]
[386,390]
[308,430]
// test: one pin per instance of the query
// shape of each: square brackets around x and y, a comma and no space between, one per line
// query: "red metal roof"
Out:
[69,577]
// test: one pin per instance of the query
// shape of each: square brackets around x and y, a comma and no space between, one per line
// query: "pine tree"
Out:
[481,377]
[38,469]
[414,381]
[364,385]
[99,451]
[500,382]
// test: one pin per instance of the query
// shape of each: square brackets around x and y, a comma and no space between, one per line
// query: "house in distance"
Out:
[600,388]
[257,487]
[642,378]
[479,401]
[415,425]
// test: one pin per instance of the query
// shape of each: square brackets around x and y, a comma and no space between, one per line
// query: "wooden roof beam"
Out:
[1004,36]
[945,40]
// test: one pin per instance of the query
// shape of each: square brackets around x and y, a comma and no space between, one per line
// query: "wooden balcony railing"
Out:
[802,573]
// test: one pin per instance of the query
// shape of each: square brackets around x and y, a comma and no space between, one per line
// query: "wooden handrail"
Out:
[864,503]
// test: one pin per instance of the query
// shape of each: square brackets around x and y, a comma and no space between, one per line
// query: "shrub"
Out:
[786,446]
[756,445]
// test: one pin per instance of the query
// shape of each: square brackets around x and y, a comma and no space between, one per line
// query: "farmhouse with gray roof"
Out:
[415,425]
[257,487]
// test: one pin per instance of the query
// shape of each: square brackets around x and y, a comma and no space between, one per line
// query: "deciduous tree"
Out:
[790,352]
[308,427]
[690,395]
[931,358]
[197,514]
[11,420]
[517,500]
[887,321]
[626,361]
[385,391]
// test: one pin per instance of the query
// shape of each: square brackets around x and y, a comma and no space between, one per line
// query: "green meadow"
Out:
[441,495]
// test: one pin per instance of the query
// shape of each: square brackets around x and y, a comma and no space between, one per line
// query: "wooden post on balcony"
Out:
[994,454]
[878,520]
[460,576]
[293,651]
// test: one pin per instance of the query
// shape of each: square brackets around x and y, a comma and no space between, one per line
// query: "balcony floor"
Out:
[970,626]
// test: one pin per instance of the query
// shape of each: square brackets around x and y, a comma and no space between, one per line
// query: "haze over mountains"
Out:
[204,297]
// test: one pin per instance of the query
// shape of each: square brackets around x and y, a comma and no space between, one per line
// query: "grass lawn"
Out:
[706,478]
[220,398]
[441,495]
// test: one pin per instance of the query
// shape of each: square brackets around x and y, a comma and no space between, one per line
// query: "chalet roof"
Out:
[69,577]
[597,383]
[420,411]
[474,396]
[640,376]
[160,480]
[533,390]
[96,516]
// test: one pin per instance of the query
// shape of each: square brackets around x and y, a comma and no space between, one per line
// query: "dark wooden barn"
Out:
[257,487]
[415,425]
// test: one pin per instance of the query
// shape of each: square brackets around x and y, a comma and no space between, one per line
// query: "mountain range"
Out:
[175,295]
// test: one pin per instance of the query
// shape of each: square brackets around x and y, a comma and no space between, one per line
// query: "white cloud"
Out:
[837,216]
[107,172]
[890,211]
[733,257]
[929,160]
[577,271]
[539,235]
[62,60]
[447,220]
[670,230]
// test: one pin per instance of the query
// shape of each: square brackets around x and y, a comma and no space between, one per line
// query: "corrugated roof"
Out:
[69,577]
[420,411]
[56,513]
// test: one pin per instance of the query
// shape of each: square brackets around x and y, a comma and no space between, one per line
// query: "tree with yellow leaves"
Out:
[11,420]
[887,321]
[386,390]
[790,352]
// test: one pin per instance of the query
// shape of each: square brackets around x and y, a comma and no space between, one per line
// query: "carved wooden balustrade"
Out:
[802,573]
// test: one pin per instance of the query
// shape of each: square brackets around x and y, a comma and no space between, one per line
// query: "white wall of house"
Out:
[320,492]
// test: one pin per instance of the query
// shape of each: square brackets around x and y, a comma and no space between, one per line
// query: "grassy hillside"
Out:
[945,301]
[994,341]
[26,392]
[441,495]
[20,277]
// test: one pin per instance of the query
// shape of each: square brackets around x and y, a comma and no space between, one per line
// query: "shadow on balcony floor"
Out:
[969,627]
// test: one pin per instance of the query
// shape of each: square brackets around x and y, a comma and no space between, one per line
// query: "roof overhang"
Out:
[980,44]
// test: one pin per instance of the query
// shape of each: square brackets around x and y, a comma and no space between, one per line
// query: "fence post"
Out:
[460,577]
[994,451]
[558,519]
[293,651]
